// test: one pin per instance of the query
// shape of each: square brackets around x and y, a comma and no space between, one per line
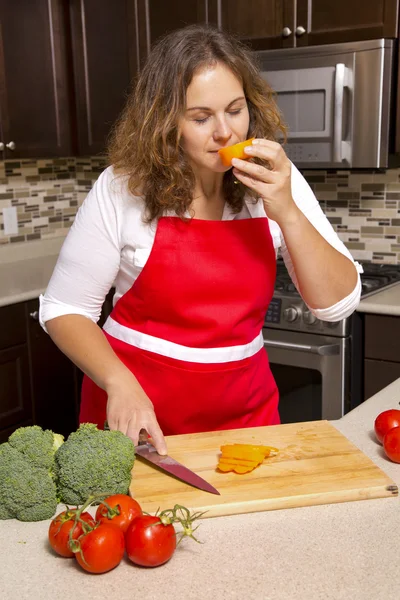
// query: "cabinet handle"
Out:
[11,145]
[340,75]
[2,146]
[300,31]
[286,31]
[34,315]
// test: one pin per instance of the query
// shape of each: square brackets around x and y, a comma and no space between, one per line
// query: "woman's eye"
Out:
[232,113]
[203,120]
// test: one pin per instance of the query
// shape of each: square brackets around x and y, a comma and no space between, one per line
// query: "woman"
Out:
[190,246]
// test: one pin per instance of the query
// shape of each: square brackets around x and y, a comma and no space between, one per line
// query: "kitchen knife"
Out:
[147,451]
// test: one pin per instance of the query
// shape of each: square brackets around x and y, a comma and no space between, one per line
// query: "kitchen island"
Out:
[347,551]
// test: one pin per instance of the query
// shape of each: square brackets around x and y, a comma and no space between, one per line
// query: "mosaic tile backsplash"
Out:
[363,206]
[47,194]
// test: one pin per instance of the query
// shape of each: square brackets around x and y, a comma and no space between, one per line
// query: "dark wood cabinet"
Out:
[52,378]
[34,84]
[267,24]
[163,17]
[110,41]
[378,374]
[15,393]
[345,21]
[15,396]
[66,66]
[38,383]
[381,352]
[382,337]
[106,54]
[264,24]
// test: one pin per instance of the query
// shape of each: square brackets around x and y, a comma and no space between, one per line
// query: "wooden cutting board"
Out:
[316,465]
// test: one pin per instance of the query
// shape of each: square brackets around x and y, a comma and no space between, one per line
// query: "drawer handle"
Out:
[34,315]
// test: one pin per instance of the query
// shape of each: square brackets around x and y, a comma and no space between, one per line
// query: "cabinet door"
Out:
[322,22]
[5,433]
[13,327]
[105,58]
[2,70]
[377,375]
[162,17]
[34,103]
[264,24]
[382,337]
[53,379]
[15,398]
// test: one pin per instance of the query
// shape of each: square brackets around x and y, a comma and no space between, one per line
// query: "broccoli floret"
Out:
[4,513]
[93,461]
[37,445]
[27,492]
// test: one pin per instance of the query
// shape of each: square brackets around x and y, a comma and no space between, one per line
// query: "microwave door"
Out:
[311,101]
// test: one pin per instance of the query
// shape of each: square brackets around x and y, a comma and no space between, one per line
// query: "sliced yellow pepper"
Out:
[242,458]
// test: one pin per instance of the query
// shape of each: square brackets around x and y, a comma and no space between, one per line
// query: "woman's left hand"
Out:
[272,184]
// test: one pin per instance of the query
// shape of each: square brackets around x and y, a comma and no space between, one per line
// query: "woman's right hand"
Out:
[130,410]
[128,407]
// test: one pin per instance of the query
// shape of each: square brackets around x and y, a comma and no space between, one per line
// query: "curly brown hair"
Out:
[145,142]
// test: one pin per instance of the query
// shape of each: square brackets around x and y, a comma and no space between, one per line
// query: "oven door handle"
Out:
[323,350]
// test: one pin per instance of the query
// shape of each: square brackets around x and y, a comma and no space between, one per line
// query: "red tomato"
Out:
[60,527]
[102,549]
[391,444]
[127,508]
[386,421]
[149,542]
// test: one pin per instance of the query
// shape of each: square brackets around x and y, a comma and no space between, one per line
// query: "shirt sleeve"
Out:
[309,205]
[89,259]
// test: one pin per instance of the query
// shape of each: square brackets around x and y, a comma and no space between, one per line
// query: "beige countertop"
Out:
[347,551]
[25,269]
[386,302]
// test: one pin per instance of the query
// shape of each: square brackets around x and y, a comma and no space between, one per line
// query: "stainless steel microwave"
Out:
[337,101]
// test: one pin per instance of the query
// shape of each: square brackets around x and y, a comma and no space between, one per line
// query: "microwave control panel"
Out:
[308,152]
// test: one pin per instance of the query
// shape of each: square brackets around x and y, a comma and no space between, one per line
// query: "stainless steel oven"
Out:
[318,366]
[310,372]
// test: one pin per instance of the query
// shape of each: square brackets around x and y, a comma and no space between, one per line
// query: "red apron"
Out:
[190,328]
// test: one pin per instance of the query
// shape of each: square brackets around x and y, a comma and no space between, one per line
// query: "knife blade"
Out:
[147,451]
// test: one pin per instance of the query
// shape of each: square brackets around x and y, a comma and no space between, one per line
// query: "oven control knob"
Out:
[309,318]
[291,314]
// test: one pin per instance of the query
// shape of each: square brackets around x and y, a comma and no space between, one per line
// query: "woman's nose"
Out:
[222,130]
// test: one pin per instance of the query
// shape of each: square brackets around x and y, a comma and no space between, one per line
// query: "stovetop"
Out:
[288,311]
[376,277]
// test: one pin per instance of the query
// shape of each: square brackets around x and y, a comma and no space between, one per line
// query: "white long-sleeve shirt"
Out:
[109,243]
